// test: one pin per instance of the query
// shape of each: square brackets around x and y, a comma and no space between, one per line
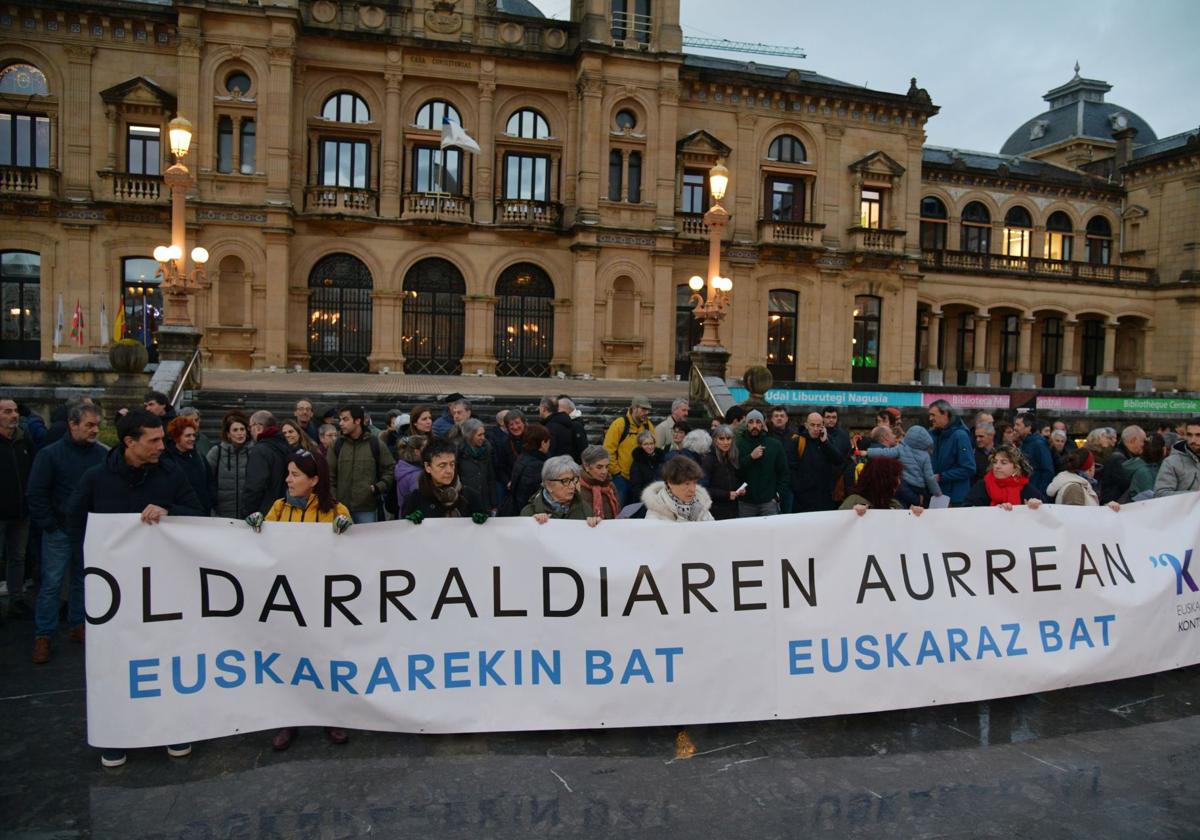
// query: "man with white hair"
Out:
[1115,478]
[662,432]
[579,435]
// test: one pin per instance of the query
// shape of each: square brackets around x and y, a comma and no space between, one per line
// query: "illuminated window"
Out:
[249,147]
[871,209]
[1059,239]
[864,360]
[21,315]
[143,150]
[1018,232]
[976,229]
[781,334]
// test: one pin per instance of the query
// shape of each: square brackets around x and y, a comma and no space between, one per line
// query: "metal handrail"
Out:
[717,401]
[187,371]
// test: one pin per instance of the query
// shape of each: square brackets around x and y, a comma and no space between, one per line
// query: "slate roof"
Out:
[1167,144]
[519,7]
[770,71]
[1009,166]
[1083,118]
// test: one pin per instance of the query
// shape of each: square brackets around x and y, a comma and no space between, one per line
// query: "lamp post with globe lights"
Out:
[709,357]
[179,283]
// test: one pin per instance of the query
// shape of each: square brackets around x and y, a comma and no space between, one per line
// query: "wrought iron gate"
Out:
[339,315]
[524,334]
[434,322]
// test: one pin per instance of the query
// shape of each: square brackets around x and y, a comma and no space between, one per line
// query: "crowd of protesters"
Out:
[439,461]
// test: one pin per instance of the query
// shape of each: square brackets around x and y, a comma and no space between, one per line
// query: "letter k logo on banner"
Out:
[1182,574]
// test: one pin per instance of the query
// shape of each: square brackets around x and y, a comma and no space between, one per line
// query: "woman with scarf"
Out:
[596,487]
[1006,483]
[476,467]
[227,467]
[1076,484]
[440,494]
[679,496]
[558,499]
[720,466]
[526,478]
[181,452]
[308,499]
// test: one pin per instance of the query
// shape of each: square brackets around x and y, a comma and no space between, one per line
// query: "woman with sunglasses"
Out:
[558,499]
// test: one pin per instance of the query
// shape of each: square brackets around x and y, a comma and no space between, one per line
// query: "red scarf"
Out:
[1001,490]
[601,493]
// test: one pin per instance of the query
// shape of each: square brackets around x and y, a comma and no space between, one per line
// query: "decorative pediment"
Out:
[701,147]
[878,164]
[1135,211]
[139,93]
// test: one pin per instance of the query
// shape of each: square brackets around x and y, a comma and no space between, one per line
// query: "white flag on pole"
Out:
[454,134]
[58,322]
[103,322]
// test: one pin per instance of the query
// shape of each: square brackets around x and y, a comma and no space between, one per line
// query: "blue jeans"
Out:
[621,485]
[14,535]
[57,558]
[361,516]
[746,510]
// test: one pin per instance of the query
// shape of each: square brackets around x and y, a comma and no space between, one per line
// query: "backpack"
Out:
[390,503]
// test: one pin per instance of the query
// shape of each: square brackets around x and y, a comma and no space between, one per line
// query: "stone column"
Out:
[591,125]
[485,163]
[830,183]
[661,335]
[478,353]
[1109,381]
[1068,378]
[77,123]
[393,142]
[1145,382]
[932,374]
[274,335]
[583,353]
[743,175]
[188,104]
[980,376]
[277,121]
[663,151]
[385,332]
[1023,378]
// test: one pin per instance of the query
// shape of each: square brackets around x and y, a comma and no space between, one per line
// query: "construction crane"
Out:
[726,45]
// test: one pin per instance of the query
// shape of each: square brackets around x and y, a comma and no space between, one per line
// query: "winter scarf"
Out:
[1001,490]
[553,505]
[447,497]
[600,493]
[683,509]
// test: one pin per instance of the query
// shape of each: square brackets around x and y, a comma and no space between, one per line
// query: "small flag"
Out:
[58,323]
[103,322]
[77,323]
[119,323]
[453,134]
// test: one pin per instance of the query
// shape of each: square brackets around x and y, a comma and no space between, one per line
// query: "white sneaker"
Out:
[179,750]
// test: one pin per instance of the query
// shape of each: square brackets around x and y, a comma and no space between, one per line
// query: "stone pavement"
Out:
[262,381]
[1109,760]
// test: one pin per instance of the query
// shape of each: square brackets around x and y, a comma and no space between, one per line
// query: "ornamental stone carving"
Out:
[324,11]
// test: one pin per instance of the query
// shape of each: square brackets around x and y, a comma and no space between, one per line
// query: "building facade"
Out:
[342,237]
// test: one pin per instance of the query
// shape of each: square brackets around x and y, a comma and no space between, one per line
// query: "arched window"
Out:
[1099,241]
[346,107]
[528,124]
[864,361]
[782,306]
[626,120]
[434,323]
[231,292]
[688,329]
[524,327]
[1018,232]
[141,289]
[1059,239]
[237,83]
[934,222]
[23,80]
[21,317]
[431,114]
[339,315]
[787,149]
[1052,350]
[976,228]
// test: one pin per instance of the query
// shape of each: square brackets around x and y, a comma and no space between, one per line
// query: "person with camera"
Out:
[813,473]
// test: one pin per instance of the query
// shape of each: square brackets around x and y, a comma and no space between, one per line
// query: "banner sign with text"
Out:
[202,628]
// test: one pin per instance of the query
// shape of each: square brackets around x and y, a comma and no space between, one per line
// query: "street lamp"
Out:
[712,311]
[177,282]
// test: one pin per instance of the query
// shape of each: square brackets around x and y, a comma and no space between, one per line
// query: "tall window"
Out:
[528,124]
[631,20]
[1099,241]
[1092,357]
[1052,349]
[781,334]
[24,140]
[976,229]
[695,192]
[784,199]
[1010,336]
[526,177]
[634,193]
[1059,239]
[142,293]
[434,321]
[787,149]
[934,222]
[625,169]
[870,209]
[431,114]
[964,347]
[429,173]
[21,316]
[345,163]
[249,147]
[346,107]
[1018,232]
[864,361]
[688,329]
[616,165]
[143,150]
[225,144]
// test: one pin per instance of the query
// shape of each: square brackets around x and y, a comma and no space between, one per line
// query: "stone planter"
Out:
[128,356]
[758,380]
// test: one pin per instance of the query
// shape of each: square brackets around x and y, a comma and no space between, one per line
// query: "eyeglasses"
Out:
[565,482]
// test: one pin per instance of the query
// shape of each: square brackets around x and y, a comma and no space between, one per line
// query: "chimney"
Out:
[1124,138]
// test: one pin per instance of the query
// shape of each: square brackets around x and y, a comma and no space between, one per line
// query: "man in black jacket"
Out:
[1115,478]
[815,465]
[558,424]
[133,480]
[16,458]
[56,474]
[266,465]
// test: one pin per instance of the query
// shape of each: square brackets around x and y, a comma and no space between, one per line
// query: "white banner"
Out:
[202,628]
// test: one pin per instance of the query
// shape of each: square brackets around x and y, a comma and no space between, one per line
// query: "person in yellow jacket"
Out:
[621,440]
[308,499]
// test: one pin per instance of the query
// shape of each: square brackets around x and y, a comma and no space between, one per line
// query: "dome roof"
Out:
[1077,109]
[519,7]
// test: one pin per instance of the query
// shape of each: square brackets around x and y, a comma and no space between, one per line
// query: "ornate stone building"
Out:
[343,238]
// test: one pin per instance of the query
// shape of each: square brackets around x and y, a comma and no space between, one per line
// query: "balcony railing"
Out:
[539,214]
[692,224]
[348,200]
[876,239]
[437,207]
[789,233]
[129,186]
[27,180]
[1033,266]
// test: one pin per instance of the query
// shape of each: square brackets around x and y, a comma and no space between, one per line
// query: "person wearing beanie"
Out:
[763,468]
[621,440]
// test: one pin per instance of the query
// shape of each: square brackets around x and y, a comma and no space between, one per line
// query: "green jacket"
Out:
[765,477]
[354,471]
[537,504]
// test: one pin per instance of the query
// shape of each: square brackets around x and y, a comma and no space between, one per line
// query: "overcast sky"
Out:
[986,64]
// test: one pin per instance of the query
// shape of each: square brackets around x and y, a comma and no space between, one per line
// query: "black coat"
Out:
[721,479]
[812,479]
[266,472]
[644,471]
[526,481]
[562,434]
[195,467]
[16,460]
[468,503]
[1114,478]
[56,472]
[479,474]
[115,487]
[506,451]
